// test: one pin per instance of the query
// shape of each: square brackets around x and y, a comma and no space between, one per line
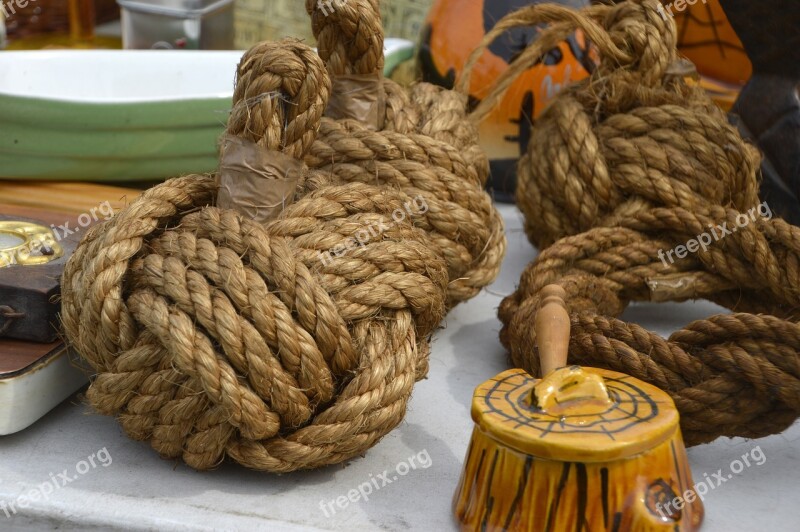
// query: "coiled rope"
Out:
[422,144]
[624,167]
[212,335]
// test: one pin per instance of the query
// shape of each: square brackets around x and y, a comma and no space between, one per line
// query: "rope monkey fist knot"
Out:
[631,137]
[212,335]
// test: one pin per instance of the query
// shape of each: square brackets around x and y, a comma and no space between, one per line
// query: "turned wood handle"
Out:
[552,329]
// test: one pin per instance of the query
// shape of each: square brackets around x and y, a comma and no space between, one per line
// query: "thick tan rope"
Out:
[427,148]
[213,336]
[620,170]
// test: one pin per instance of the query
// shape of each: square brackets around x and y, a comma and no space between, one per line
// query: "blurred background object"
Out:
[706,37]
[3,41]
[259,20]
[768,107]
[454,28]
[177,24]
[99,115]
[60,24]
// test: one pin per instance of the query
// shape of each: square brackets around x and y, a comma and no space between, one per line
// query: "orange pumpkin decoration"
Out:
[456,27]
[706,38]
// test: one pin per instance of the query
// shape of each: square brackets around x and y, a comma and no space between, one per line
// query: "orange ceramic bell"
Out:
[581,449]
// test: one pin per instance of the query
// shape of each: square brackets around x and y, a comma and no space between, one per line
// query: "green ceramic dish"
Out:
[118,115]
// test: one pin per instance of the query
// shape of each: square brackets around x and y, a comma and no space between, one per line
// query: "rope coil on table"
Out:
[631,162]
[212,335]
[427,148]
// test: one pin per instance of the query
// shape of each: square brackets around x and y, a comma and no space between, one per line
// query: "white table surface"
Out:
[140,491]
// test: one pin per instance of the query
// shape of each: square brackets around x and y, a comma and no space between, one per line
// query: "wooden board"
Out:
[74,198]
[68,210]
[35,377]
[16,355]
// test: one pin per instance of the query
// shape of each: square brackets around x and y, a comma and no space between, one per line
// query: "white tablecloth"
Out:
[130,487]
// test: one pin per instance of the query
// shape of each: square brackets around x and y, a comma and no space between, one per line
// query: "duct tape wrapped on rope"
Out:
[214,335]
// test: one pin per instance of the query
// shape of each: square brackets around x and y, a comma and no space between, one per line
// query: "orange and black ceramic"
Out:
[581,449]
[705,37]
[454,28]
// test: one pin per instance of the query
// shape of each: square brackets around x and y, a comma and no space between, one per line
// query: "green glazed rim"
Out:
[44,139]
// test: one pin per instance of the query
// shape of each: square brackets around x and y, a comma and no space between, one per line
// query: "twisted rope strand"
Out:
[213,335]
[427,148]
[621,169]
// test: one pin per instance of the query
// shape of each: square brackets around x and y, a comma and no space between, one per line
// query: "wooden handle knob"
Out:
[552,329]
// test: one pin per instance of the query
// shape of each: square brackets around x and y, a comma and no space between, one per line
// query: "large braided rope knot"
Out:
[620,170]
[631,136]
[424,145]
[212,335]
